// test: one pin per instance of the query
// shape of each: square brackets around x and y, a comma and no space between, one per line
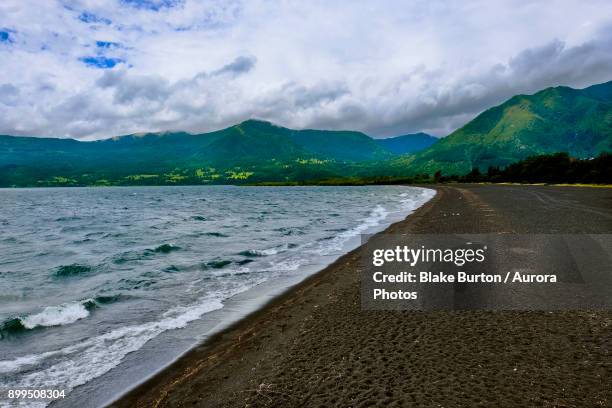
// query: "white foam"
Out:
[81,362]
[270,251]
[56,315]
[375,218]
[290,264]
[9,366]
[409,201]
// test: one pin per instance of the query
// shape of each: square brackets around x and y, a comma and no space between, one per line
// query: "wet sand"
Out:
[315,347]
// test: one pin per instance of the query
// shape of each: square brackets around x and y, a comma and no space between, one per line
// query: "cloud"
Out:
[128,89]
[9,94]
[93,69]
[241,65]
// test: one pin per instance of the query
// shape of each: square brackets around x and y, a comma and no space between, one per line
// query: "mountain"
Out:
[340,145]
[411,143]
[252,150]
[559,119]
[262,139]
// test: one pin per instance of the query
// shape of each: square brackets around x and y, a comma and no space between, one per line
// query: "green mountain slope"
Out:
[249,142]
[559,119]
[252,150]
[340,145]
[405,144]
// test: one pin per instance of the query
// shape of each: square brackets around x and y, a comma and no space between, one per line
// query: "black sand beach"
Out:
[315,347]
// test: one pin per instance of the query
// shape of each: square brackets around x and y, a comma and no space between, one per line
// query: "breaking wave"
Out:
[50,316]
[166,248]
[75,365]
[61,315]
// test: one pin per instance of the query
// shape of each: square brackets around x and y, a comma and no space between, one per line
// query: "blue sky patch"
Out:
[107,44]
[101,62]
[88,17]
[154,5]
[5,36]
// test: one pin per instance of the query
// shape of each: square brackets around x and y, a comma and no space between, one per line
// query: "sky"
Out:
[92,69]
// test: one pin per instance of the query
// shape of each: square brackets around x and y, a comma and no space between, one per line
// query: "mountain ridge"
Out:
[252,150]
[556,119]
[410,143]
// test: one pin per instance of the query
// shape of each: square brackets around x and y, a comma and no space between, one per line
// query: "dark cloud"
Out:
[9,94]
[128,88]
[241,65]
[441,109]
[307,97]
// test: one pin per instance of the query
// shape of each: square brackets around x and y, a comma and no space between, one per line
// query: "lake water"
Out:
[89,276]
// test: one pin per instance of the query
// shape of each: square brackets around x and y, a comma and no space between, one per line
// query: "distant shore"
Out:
[347,184]
[314,346]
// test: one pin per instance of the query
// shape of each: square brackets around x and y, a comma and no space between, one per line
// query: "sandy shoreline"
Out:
[314,346]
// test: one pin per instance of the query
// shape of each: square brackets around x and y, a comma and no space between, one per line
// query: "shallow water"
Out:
[89,275]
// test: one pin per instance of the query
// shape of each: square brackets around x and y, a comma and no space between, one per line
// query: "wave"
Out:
[216,234]
[57,315]
[50,316]
[253,253]
[135,283]
[217,264]
[166,248]
[72,270]
[290,231]
[11,326]
[230,272]
[375,218]
[76,364]
[108,299]
[130,256]
[287,265]
[412,202]
[68,218]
